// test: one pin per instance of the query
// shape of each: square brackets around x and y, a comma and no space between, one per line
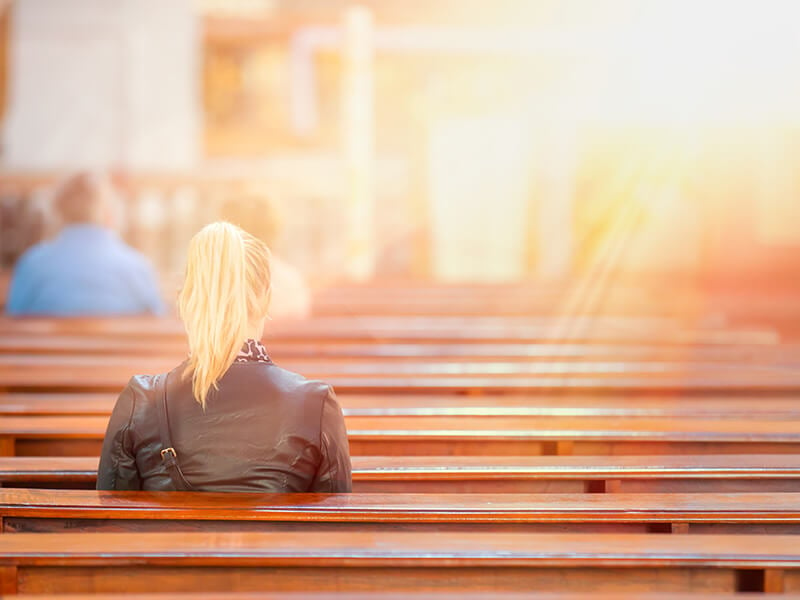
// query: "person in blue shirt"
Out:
[86,270]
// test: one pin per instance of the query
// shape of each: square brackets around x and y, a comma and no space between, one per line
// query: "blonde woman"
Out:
[228,418]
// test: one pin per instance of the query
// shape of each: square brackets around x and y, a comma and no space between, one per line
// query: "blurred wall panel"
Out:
[778,212]
[97,83]
[479,189]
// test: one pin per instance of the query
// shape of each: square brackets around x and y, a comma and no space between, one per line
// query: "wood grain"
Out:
[466,595]
[75,506]
[432,436]
[247,561]
[541,474]
[731,406]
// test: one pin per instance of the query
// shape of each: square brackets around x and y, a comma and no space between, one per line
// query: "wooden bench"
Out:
[636,296]
[731,406]
[59,371]
[79,374]
[397,561]
[507,302]
[121,366]
[32,510]
[175,349]
[483,474]
[443,436]
[412,329]
[417,596]
[448,299]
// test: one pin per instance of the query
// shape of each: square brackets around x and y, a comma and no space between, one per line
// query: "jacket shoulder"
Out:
[141,389]
[297,383]
[143,383]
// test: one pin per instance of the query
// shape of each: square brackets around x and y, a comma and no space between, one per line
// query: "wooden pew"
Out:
[412,329]
[445,436]
[81,374]
[492,595]
[121,366]
[730,406]
[506,301]
[59,371]
[486,474]
[31,510]
[629,298]
[412,297]
[176,349]
[397,561]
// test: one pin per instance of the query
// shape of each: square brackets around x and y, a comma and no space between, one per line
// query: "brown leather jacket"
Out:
[265,429]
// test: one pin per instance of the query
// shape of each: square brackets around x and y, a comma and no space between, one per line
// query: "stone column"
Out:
[357,140]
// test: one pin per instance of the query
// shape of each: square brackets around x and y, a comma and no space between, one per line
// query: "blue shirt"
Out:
[86,270]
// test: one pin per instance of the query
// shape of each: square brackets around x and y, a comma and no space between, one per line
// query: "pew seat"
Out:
[416,329]
[419,596]
[483,474]
[396,561]
[441,436]
[176,349]
[731,406]
[32,510]
[86,373]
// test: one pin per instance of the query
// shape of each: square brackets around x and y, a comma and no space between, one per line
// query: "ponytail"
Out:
[226,291]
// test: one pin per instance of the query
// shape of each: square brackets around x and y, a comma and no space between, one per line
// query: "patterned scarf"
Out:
[253,351]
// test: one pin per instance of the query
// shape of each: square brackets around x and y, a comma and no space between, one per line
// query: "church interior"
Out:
[546,252]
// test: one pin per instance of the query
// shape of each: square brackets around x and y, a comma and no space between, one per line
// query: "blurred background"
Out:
[590,147]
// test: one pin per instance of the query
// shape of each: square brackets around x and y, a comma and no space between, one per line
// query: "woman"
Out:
[228,418]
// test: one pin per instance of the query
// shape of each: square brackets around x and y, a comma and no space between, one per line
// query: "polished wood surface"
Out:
[81,436]
[83,365]
[459,354]
[458,427]
[176,349]
[23,509]
[418,596]
[399,549]
[430,329]
[732,406]
[483,474]
[397,561]
[62,373]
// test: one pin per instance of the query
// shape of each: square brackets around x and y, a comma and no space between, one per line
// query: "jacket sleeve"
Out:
[117,469]
[334,472]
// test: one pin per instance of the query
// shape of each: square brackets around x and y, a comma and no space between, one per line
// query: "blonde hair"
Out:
[226,292]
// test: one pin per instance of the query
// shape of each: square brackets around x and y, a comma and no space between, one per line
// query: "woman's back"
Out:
[265,429]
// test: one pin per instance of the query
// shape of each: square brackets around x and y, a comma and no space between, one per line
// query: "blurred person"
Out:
[86,269]
[291,297]
[227,419]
